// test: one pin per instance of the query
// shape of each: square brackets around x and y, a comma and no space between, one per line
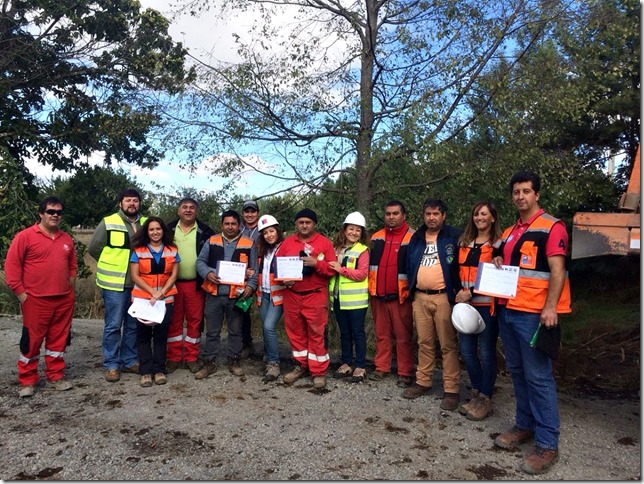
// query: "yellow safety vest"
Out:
[114,262]
[352,294]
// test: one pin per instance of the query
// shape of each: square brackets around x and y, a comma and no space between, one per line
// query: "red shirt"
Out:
[39,264]
[317,246]
[388,266]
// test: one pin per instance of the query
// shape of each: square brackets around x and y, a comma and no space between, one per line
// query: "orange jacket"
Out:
[241,254]
[377,248]
[468,268]
[156,274]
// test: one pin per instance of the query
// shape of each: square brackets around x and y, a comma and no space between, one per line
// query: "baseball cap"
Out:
[250,204]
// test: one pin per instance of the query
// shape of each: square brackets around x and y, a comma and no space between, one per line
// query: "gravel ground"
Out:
[242,429]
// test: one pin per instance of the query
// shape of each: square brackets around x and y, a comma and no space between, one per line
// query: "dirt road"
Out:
[227,428]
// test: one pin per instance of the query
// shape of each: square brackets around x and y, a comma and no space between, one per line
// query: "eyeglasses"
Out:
[51,211]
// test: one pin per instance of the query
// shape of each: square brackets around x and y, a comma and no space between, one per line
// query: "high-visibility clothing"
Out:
[468,261]
[377,249]
[216,253]
[112,265]
[529,254]
[352,294]
[154,273]
[277,289]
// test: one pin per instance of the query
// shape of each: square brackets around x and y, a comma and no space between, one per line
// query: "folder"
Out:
[547,340]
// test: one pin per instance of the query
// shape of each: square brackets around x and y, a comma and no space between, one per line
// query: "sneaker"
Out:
[193,366]
[404,382]
[160,378]
[512,438]
[343,372]
[294,375]
[112,375]
[26,391]
[272,372]
[319,381]
[206,370]
[415,391]
[463,408]
[540,460]
[132,369]
[358,375]
[172,366]
[146,381]
[378,375]
[481,409]
[235,367]
[62,385]
[450,401]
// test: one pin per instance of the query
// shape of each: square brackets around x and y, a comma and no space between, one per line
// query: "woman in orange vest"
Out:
[269,292]
[154,266]
[479,243]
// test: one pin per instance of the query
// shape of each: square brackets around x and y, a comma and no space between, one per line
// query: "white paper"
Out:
[497,282]
[289,268]
[231,272]
[141,309]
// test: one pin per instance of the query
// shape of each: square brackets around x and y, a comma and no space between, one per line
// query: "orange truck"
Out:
[595,233]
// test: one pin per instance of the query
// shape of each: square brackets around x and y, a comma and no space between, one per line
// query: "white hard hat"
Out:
[466,319]
[266,221]
[356,218]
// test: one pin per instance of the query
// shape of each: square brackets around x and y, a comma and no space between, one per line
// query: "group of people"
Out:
[411,279]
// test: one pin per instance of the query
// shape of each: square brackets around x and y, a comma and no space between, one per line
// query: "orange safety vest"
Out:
[468,270]
[377,248]
[154,273]
[529,254]
[277,290]
[240,254]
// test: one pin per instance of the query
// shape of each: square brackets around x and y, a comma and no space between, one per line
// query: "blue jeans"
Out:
[118,350]
[534,383]
[216,308]
[351,324]
[482,371]
[270,315]
[151,341]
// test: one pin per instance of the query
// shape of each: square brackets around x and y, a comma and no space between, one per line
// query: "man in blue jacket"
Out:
[432,272]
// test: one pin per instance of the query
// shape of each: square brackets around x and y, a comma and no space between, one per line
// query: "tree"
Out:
[79,78]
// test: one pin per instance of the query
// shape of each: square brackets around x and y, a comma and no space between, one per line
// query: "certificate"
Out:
[145,312]
[231,272]
[289,268]
[496,282]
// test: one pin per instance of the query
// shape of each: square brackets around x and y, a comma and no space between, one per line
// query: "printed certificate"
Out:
[497,282]
[289,268]
[143,310]
[231,272]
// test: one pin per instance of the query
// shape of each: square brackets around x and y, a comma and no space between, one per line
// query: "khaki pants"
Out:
[432,317]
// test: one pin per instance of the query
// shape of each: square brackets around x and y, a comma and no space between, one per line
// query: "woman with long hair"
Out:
[478,243]
[154,266]
[269,292]
[348,291]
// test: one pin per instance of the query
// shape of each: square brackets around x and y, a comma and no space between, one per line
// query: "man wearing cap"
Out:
[190,235]
[306,301]
[250,215]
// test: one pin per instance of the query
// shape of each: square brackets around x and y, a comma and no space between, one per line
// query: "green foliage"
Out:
[165,205]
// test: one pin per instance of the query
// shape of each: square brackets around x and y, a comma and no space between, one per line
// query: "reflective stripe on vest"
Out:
[468,273]
[352,294]
[403,284]
[156,280]
[240,254]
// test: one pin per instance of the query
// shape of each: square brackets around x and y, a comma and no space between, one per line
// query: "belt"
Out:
[388,297]
[432,291]
[304,293]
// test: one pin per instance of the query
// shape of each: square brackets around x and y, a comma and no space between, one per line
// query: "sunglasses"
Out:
[51,211]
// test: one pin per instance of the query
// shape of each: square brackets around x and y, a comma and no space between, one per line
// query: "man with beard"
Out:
[110,247]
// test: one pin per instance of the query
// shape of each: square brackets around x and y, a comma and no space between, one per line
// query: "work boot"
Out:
[112,375]
[343,372]
[26,391]
[450,401]
[172,366]
[540,460]
[247,350]
[62,385]
[272,372]
[132,369]
[378,375]
[146,381]
[207,369]
[416,391]
[513,438]
[160,378]
[463,408]
[319,381]
[235,367]
[404,381]
[481,409]
[294,375]
[193,366]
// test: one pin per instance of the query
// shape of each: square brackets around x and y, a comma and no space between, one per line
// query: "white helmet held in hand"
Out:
[356,218]
[466,319]
[266,221]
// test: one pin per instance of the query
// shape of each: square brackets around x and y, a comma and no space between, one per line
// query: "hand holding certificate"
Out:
[289,268]
[497,282]
[231,272]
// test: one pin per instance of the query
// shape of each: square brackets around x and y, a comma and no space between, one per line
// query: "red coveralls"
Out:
[306,303]
[42,267]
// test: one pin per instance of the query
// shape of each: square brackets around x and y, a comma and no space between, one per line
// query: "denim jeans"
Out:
[217,308]
[151,342]
[270,315]
[483,370]
[118,349]
[351,324]
[532,378]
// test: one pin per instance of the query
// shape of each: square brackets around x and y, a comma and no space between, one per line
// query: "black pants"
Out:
[247,337]
[151,343]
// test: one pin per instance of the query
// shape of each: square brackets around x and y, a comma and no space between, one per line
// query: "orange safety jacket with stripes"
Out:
[154,273]
[468,262]
[216,253]
[377,250]
[277,289]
